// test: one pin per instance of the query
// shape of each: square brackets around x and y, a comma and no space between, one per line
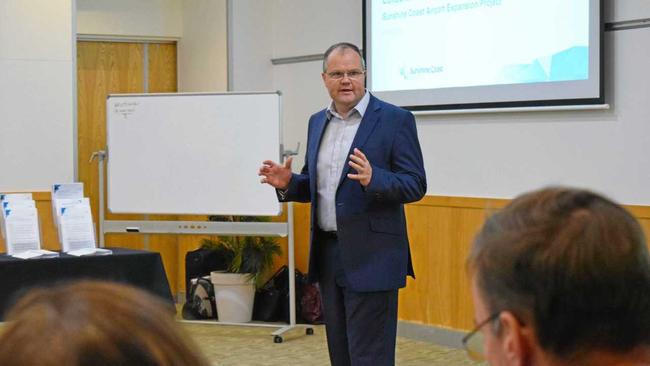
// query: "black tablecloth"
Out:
[135,267]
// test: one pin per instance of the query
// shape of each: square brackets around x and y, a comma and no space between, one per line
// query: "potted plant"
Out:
[247,259]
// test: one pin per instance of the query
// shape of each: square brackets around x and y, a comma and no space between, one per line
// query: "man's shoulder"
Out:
[386,106]
[319,115]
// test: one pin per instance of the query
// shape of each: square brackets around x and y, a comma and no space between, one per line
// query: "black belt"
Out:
[327,234]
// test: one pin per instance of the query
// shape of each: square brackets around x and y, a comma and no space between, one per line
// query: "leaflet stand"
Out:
[280,229]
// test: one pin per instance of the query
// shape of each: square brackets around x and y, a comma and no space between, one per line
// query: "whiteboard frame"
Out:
[145,95]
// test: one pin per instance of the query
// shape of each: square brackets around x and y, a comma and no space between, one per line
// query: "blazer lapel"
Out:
[368,124]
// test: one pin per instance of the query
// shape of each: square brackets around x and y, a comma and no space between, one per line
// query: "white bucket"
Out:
[234,294]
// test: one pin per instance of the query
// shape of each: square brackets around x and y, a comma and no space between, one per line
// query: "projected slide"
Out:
[431,44]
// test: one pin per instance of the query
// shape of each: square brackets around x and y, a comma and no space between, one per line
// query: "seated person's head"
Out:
[93,323]
[561,276]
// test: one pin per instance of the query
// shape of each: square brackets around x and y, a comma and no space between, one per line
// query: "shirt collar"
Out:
[360,107]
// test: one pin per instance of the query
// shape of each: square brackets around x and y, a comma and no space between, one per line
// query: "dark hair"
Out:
[572,263]
[342,46]
[94,323]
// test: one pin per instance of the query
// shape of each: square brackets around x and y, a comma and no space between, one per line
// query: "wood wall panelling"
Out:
[440,230]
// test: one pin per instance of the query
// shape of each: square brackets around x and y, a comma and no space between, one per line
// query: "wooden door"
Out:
[117,67]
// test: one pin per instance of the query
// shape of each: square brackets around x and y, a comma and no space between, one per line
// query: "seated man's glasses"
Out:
[474,341]
[352,74]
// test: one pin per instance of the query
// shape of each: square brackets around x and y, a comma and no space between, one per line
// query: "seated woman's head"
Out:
[93,323]
[561,275]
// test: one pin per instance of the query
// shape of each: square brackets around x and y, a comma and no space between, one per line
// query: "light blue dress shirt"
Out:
[332,155]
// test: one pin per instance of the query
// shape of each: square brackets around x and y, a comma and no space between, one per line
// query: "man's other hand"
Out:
[360,163]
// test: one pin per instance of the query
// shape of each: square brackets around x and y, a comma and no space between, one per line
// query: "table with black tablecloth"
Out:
[138,268]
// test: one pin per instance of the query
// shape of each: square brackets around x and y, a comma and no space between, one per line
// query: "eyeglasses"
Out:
[352,74]
[474,340]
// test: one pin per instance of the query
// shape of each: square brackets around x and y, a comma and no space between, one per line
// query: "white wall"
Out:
[493,155]
[36,94]
[133,18]
[302,28]
[501,155]
[203,49]
[250,46]
[496,155]
[306,27]
[38,72]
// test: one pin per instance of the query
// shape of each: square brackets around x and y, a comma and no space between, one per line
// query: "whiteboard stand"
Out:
[280,229]
[309,330]
[100,156]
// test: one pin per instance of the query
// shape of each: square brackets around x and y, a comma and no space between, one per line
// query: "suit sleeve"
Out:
[298,189]
[406,180]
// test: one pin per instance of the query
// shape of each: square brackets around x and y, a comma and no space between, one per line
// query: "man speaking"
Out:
[363,163]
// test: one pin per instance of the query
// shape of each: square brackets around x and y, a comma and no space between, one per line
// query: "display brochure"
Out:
[90,251]
[10,197]
[76,226]
[21,228]
[36,253]
[64,191]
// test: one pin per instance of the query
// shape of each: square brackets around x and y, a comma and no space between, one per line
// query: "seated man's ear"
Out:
[516,339]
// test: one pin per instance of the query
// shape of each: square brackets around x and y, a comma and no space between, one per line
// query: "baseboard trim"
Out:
[427,333]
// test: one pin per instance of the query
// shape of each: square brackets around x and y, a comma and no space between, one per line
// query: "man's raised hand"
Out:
[276,175]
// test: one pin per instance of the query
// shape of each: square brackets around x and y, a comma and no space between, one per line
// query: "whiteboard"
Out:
[191,153]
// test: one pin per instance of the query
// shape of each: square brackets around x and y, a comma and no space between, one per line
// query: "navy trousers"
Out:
[361,326]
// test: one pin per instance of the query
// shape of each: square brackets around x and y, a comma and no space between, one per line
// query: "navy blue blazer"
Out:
[371,224]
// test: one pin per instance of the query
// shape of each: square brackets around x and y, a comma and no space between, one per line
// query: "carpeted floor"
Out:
[253,346]
[225,345]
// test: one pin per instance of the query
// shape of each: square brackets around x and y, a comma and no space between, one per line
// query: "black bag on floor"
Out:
[201,303]
[266,303]
[268,297]
[272,300]
[282,284]
[311,304]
